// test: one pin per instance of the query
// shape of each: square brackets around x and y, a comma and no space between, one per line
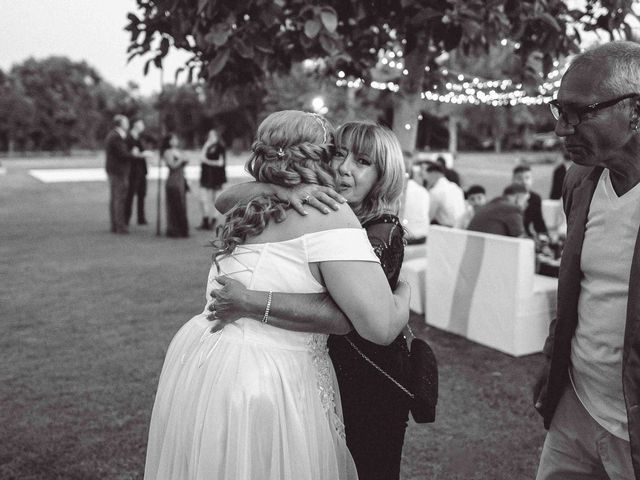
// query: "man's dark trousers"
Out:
[138,189]
[119,185]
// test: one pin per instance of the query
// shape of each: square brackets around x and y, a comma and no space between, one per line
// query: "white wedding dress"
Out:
[252,401]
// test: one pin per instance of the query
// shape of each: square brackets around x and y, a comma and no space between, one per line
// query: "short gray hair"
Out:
[621,59]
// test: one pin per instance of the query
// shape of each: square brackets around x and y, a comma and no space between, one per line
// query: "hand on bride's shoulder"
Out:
[305,197]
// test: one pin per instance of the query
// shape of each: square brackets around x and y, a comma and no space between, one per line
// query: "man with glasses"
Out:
[589,390]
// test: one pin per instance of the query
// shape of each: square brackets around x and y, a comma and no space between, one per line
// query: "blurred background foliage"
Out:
[56,104]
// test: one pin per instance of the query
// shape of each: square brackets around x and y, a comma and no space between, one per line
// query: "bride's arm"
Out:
[300,312]
[316,196]
[362,292]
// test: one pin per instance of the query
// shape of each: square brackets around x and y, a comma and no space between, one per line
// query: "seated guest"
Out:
[533,221]
[558,177]
[476,197]
[446,198]
[419,171]
[502,215]
[449,173]
[414,208]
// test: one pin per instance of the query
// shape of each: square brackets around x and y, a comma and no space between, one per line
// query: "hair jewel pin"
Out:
[280,153]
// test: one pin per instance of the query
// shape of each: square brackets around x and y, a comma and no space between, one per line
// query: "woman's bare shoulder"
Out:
[296,225]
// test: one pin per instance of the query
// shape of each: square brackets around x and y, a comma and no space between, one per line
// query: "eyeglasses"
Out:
[573,116]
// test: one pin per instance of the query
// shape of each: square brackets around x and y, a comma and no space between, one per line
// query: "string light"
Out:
[458,88]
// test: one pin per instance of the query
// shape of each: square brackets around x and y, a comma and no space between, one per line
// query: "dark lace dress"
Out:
[375,410]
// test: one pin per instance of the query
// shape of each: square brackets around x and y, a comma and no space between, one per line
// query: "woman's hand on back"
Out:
[229,301]
[318,197]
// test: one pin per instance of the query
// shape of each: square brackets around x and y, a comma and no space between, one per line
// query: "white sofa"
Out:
[414,271]
[484,287]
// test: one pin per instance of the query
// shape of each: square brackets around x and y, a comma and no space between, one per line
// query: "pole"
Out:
[159,193]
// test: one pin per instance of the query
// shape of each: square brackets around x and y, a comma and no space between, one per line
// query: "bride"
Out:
[248,400]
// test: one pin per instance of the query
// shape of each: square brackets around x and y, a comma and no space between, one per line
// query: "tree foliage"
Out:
[243,41]
[56,104]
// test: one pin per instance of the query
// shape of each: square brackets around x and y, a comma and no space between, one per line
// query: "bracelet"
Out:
[265,317]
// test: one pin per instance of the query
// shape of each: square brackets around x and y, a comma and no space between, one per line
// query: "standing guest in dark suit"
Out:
[589,389]
[138,172]
[533,221]
[502,215]
[558,177]
[118,166]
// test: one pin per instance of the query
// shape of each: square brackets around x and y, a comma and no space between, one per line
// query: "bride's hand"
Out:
[319,197]
[228,302]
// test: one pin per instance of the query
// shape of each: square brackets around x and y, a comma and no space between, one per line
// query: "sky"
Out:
[90,30]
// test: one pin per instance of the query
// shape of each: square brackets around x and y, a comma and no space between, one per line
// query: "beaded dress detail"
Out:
[359,382]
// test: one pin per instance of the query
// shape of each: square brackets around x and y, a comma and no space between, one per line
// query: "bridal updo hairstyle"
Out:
[291,148]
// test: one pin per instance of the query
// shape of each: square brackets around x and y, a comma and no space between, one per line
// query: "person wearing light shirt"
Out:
[447,203]
[588,390]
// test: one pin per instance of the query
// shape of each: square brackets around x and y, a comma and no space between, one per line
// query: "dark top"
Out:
[140,164]
[533,220]
[360,383]
[119,157]
[498,217]
[213,176]
[215,151]
[453,176]
[556,183]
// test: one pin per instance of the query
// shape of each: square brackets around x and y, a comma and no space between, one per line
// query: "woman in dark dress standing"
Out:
[213,176]
[370,170]
[175,188]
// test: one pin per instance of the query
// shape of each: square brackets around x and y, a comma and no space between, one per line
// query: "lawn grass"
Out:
[85,318]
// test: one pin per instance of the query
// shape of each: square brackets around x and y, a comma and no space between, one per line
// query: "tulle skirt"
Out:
[247,402]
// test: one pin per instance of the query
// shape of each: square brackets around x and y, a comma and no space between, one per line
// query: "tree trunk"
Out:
[497,144]
[408,103]
[453,134]
[406,109]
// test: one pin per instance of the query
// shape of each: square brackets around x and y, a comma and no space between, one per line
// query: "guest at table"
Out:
[445,197]
[449,173]
[414,206]
[475,198]
[558,177]
[533,220]
[502,215]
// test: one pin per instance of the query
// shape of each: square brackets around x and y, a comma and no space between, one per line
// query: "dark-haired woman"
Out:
[212,177]
[175,188]
[247,399]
